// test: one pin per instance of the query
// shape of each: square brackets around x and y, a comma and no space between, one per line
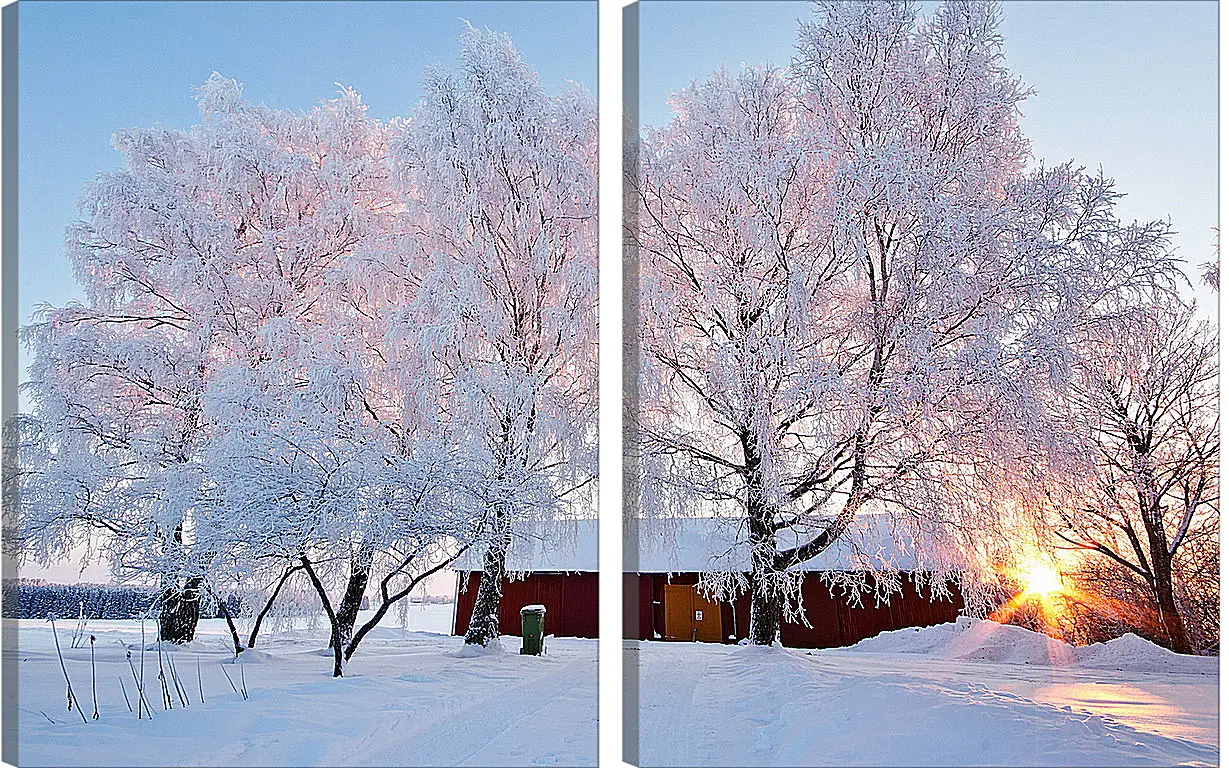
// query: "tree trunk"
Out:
[334,641]
[387,601]
[260,617]
[363,630]
[180,611]
[230,624]
[766,597]
[352,600]
[1171,619]
[1153,517]
[484,621]
[765,616]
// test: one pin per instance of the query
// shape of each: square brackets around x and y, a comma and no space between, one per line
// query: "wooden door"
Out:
[680,621]
[707,617]
[690,615]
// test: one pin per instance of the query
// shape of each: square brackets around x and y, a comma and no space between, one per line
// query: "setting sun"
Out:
[1039,578]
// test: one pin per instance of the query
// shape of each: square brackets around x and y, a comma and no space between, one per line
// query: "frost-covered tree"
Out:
[320,346]
[503,182]
[117,383]
[316,345]
[855,295]
[1144,401]
[733,297]
[297,433]
[330,481]
[196,258]
[330,455]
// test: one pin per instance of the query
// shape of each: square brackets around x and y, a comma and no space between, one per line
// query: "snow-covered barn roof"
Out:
[567,545]
[681,545]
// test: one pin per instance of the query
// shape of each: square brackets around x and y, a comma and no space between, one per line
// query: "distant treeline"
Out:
[70,601]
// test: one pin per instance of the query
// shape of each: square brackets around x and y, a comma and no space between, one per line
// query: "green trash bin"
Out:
[533,629]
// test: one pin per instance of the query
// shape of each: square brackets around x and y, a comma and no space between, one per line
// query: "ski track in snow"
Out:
[407,699]
[704,704]
[663,708]
[481,731]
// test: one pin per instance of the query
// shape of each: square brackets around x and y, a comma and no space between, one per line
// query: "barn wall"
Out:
[570,600]
[466,594]
[637,607]
[834,623]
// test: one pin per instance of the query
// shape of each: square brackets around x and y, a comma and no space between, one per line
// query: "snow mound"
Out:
[253,656]
[493,648]
[973,640]
[1134,653]
[985,640]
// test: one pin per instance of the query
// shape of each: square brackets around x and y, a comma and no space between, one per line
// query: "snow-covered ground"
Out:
[409,699]
[973,693]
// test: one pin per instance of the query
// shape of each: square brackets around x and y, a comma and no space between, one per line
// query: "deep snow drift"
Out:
[1003,643]
[958,694]
[409,699]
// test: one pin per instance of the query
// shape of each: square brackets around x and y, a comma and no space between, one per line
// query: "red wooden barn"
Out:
[663,602]
[557,569]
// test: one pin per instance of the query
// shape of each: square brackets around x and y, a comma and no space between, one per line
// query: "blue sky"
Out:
[1127,86]
[89,68]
